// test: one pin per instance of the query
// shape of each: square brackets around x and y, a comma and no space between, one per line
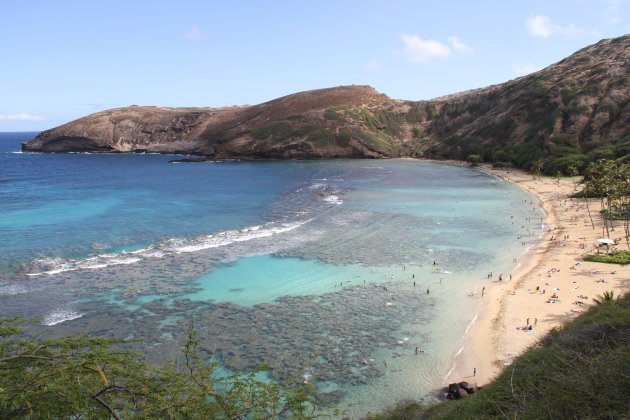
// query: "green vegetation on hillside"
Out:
[78,377]
[581,371]
[566,116]
[279,131]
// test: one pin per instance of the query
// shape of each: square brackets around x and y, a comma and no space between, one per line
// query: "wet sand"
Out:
[553,264]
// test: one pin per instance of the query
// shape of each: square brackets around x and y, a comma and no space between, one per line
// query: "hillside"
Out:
[573,111]
[567,114]
[295,126]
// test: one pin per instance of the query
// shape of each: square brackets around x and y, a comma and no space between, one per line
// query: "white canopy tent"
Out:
[604,243]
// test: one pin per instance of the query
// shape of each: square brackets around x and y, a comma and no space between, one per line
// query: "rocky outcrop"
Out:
[458,391]
[295,126]
[569,113]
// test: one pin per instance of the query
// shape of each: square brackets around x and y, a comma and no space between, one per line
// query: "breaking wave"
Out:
[50,266]
[59,316]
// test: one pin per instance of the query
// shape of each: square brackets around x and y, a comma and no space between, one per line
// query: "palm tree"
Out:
[610,181]
[606,297]
[573,173]
[589,184]
[537,168]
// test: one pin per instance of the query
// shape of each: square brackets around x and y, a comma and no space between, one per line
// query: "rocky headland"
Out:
[569,113]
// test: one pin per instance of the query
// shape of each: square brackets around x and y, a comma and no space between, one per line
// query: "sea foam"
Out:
[59,316]
[12,289]
[51,266]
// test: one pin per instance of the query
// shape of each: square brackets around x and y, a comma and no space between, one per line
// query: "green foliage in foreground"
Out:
[581,371]
[78,377]
[606,297]
[618,257]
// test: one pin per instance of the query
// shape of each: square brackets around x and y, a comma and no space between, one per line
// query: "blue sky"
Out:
[63,59]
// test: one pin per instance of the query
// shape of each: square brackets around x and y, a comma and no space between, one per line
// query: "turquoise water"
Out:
[265,278]
[318,269]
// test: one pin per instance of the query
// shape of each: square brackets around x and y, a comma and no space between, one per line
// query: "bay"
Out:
[330,272]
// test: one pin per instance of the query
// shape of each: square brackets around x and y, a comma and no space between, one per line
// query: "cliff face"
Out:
[572,111]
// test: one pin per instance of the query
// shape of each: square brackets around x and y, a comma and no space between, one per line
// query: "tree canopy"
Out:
[609,180]
[82,377]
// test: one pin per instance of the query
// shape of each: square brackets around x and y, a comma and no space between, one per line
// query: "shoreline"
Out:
[552,264]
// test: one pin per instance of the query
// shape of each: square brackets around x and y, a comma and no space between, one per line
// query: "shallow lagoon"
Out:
[308,267]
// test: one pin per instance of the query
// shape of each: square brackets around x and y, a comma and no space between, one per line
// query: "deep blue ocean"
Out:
[319,269]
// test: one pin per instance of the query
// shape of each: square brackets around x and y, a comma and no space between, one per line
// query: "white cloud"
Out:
[195,35]
[23,116]
[521,68]
[373,65]
[542,27]
[459,45]
[539,26]
[420,50]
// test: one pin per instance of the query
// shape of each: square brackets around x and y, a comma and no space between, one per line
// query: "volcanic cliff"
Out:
[567,114]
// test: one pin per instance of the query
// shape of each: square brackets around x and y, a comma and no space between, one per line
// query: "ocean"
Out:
[330,272]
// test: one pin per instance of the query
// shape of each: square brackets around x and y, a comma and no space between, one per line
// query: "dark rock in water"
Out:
[191,160]
[330,398]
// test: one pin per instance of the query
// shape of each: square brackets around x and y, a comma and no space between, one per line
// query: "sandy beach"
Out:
[552,266]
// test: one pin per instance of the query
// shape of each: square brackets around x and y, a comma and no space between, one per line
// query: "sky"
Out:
[61,60]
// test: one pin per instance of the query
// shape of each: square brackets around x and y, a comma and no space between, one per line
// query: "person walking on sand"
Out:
[474,371]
